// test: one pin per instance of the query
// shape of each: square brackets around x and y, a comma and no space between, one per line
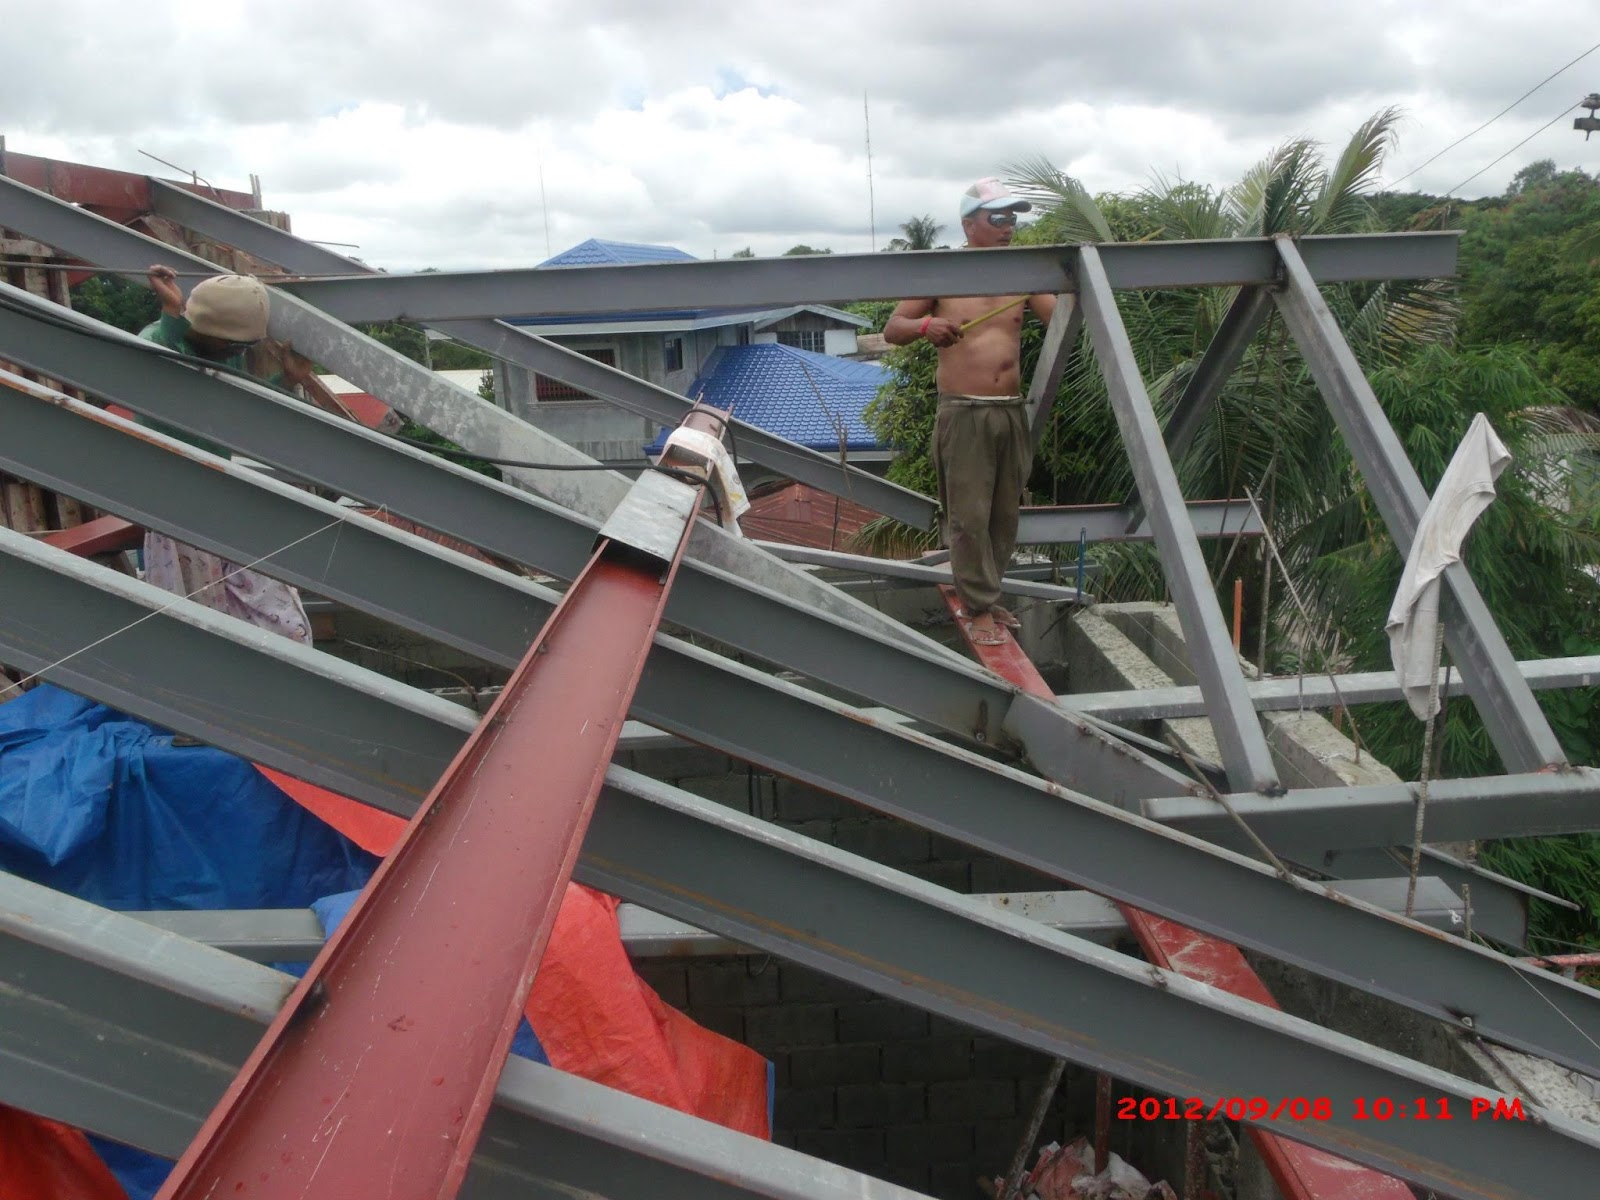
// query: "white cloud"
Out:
[418,129]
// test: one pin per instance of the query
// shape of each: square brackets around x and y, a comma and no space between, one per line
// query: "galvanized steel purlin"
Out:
[556,362]
[777,282]
[1245,754]
[1518,727]
[349,729]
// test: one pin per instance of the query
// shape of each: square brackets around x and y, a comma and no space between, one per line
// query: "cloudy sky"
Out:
[418,129]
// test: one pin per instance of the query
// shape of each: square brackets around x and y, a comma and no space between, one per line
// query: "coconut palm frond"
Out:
[1187,211]
[1559,420]
[1341,206]
[1067,204]
[1275,194]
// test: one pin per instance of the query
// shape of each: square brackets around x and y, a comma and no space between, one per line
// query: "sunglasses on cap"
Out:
[1002,219]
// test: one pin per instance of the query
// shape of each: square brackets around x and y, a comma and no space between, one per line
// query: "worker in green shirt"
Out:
[223,318]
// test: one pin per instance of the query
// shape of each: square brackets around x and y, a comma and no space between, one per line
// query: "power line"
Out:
[1498,115]
[1513,149]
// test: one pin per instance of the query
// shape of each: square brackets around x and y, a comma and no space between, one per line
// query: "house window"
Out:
[550,389]
[804,339]
[674,354]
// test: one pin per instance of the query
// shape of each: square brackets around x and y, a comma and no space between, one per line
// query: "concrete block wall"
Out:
[862,1081]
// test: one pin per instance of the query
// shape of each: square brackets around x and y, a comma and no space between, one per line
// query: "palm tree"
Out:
[921,233]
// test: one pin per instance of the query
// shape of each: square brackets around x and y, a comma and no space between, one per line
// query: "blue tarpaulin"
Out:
[106,808]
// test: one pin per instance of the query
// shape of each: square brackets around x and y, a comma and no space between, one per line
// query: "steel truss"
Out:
[385,744]
[288,721]
[902,938]
[948,692]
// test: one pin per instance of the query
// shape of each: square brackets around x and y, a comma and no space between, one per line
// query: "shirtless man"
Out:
[982,447]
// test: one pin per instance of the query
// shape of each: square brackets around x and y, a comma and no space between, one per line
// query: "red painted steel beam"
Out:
[103,188]
[103,535]
[1301,1172]
[377,1075]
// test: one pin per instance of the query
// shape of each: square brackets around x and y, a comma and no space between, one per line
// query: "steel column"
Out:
[384,1057]
[229,510]
[950,792]
[547,358]
[1512,716]
[780,282]
[1243,745]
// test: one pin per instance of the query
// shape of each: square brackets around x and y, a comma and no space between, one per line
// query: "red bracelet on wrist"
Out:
[922,330]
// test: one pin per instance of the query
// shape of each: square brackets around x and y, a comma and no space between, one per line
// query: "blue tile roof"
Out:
[597,252]
[791,392]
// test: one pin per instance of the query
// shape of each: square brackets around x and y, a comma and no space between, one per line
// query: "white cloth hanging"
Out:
[1462,495]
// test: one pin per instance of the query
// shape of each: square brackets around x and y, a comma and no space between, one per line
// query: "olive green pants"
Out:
[982,452]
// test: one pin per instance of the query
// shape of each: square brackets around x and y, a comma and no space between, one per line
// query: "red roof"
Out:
[798,515]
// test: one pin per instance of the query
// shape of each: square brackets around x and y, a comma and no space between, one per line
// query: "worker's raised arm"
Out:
[1043,306]
[912,319]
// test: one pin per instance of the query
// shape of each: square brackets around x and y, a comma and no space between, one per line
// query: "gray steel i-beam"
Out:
[1245,754]
[1512,716]
[1317,691]
[780,282]
[1309,821]
[1241,323]
[1059,338]
[1128,522]
[808,903]
[549,359]
[469,421]
[170,1021]
[196,671]
[950,693]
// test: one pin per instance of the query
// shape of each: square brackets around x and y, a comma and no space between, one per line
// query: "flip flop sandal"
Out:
[1005,617]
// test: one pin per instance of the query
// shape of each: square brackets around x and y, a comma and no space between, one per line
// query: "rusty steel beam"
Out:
[383,1061]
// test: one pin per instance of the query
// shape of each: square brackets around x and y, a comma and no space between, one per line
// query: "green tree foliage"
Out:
[745,253]
[1532,276]
[1531,304]
[405,338]
[919,233]
[802,248]
[116,301]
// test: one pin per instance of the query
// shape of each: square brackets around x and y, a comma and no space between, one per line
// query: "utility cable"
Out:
[173,603]
[1515,148]
[1497,116]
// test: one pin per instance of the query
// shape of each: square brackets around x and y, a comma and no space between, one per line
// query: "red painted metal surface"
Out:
[377,1075]
[102,188]
[1300,1172]
[99,536]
